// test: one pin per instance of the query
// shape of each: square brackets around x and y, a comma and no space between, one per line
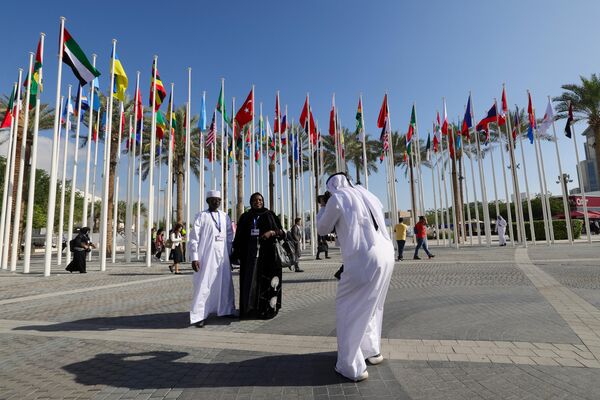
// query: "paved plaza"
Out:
[473,323]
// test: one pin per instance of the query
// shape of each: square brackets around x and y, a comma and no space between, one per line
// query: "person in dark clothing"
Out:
[80,245]
[254,247]
[322,246]
[296,237]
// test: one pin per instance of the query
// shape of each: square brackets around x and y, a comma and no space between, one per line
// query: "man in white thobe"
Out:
[368,256]
[210,241]
[501,229]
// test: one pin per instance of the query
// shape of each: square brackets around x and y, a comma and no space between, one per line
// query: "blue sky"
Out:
[417,51]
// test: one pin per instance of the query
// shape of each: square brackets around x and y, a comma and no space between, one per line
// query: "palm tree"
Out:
[354,152]
[585,99]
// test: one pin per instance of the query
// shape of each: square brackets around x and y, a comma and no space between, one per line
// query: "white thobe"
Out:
[368,265]
[210,241]
[501,228]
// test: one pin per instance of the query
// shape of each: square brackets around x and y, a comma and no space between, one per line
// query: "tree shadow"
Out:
[161,369]
[178,320]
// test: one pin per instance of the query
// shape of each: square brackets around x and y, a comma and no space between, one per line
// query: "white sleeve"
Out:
[194,239]
[328,217]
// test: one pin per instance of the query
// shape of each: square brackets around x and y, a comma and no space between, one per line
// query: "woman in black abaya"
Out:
[254,246]
[80,246]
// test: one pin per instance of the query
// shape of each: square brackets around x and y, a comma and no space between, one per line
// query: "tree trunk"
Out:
[114,148]
[457,200]
[271,184]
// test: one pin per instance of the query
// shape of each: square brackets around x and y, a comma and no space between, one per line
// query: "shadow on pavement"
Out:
[179,320]
[160,369]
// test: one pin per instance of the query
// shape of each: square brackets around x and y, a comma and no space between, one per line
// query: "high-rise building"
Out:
[589,169]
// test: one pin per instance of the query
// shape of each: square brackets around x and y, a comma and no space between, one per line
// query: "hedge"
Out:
[560,229]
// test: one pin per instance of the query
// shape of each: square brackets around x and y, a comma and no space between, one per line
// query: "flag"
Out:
[271,138]
[428,148]
[245,113]
[504,103]
[359,121]
[120,78]
[156,89]
[67,110]
[172,114]
[122,113]
[161,125]
[384,137]
[467,121]
[383,113]
[277,120]
[140,107]
[8,115]
[437,133]
[568,132]
[96,128]
[548,119]
[36,73]
[202,119]
[445,123]
[221,107]
[491,116]
[531,115]
[515,129]
[85,105]
[304,121]
[332,121]
[212,131]
[283,129]
[75,58]
[411,126]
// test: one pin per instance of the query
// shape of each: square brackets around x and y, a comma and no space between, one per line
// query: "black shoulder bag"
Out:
[285,256]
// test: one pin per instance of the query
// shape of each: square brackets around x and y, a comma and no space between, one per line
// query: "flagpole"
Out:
[222,139]
[392,172]
[130,179]
[364,145]
[486,210]
[437,225]
[188,149]
[71,222]
[530,212]
[287,169]
[150,218]
[545,197]
[116,189]
[169,205]
[294,196]
[201,177]
[53,170]
[562,185]
[445,179]
[283,221]
[158,208]
[16,242]
[514,175]
[107,149]
[418,161]
[138,224]
[310,179]
[61,215]
[469,217]
[234,169]
[497,205]
[8,172]
[242,187]
[30,197]
[259,160]
[252,158]
[506,192]
[586,217]
[86,185]
[92,215]
[455,211]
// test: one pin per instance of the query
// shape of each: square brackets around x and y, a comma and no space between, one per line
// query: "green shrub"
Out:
[560,229]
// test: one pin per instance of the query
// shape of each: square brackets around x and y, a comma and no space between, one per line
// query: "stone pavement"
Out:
[473,323]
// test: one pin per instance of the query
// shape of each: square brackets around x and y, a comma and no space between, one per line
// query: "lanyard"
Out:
[217,224]
[255,221]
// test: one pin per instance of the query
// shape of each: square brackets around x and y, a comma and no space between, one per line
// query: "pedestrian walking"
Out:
[80,245]
[209,247]
[400,231]
[368,255]
[176,239]
[322,245]
[296,238]
[421,235]
[501,230]
[159,244]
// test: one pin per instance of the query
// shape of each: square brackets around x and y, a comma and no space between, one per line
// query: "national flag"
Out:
[171,114]
[305,120]
[156,89]
[428,148]
[122,114]
[283,128]
[202,119]
[75,58]
[271,138]
[437,133]
[96,128]
[161,125]
[120,84]
[570,119]
[277,120]
[67,110]
[36,73]
[404,157]
[383,113]
[515,129]
[359,120]
[140,107]
[445,123]
[8,115]
[212,131]
[221,107]
[531,115]
[246,112]
[492,116]
[548,119]
[332,121]
[411,126]
[504,103]
[467,121]
[384,137]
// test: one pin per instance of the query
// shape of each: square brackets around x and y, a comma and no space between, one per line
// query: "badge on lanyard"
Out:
[219,238]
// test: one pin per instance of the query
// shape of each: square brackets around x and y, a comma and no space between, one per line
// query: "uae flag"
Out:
[75,58]
[568,132]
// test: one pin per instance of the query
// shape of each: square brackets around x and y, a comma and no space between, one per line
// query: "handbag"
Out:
[285,256]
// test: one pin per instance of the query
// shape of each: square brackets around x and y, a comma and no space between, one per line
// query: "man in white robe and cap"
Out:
[368,256]
[501,229]
[209,247]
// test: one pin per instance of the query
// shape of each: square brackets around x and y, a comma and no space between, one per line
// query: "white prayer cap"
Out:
[213,193]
